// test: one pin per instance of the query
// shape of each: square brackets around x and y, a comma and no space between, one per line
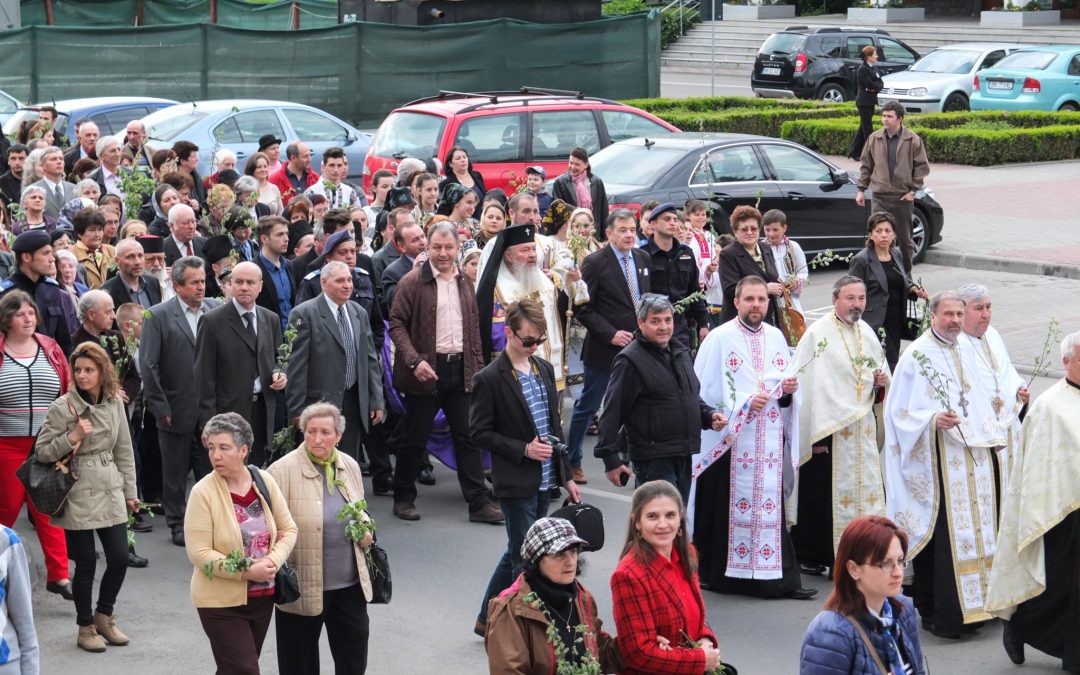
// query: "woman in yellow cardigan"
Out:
[237,539]
[335,586]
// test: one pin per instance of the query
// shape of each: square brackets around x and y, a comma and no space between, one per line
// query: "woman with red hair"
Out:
[867,626]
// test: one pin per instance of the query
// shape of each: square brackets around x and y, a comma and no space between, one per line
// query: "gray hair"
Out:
[652,303]
[619,214]
[51,150]
[104,143]
[323,409]
[30,167]
[233,424]
[319,231]
[845,280]
[331,267]
[188,262]
[223,154]
[64,254]
[1069,345]
[176,210]
[972,292]
[443,227]
[941,296]
[91,300]
[86,183]
[32,188]
[408,166]
[246,184]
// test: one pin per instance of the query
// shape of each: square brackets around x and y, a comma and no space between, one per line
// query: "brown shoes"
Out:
[406,511]
[480,628]
[90,640]
[579,477]
[488,513]
[106,628]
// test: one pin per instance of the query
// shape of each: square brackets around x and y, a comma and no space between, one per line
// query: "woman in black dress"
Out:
[888,287]
[746,257]
[868,84]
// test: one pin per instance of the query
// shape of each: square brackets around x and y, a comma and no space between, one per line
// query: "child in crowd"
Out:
[684,235]
[534,182]
[789,256]
[645,229]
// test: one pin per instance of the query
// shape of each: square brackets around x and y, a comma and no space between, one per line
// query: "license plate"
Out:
[999,84]
[770,70]
[883,101]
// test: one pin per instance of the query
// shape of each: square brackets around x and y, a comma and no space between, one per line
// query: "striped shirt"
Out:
[536,398]
[27,389]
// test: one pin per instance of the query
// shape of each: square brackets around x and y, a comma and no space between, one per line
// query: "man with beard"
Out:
[131,284]
[940,482]
[840,476]
[744,474]
[154,264]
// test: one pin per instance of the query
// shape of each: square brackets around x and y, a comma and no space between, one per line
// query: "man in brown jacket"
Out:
[436,334]
[894,165]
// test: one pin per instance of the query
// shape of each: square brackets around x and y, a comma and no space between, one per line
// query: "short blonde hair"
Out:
[323,409]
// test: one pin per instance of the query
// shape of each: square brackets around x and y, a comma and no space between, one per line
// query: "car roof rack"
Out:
[835,29]
[494,97]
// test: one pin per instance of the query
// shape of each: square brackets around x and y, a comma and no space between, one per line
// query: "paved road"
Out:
[441,564]
[683,83]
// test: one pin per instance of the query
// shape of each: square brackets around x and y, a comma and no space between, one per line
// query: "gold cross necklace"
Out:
[857,364]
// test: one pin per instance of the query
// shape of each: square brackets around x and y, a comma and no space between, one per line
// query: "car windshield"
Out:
[167,123]
[1029,60]
[408,134]
[633,164]
[782,43]
[11,127]
[951,61]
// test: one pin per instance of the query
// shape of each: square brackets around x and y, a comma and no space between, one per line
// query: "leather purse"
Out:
[913,320]
[379,572]
[792,322]
[50,483]
[286,585]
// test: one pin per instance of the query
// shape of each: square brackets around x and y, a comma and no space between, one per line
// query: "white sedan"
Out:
[941,81]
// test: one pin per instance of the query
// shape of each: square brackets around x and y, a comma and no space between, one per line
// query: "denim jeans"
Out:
[519,514]
[592,395]
[675,470]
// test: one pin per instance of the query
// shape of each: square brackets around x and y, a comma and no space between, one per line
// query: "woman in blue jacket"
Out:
[867,626]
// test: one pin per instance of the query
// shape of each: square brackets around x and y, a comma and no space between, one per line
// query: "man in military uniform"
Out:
[37,267]
[675,274]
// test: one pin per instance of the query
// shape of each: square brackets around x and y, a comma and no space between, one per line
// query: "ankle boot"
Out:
[90,640]
[106,628]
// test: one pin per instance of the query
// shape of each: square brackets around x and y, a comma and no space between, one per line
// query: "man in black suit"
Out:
[11,181]
[410,240]
[674,273]
[617,276]
[278,291]
[514,410]
[130,284]
[107,176]
[182,242]
[166,360]
[234,360]
[87,146]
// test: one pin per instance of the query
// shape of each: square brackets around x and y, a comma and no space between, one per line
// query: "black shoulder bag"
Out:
[286,585]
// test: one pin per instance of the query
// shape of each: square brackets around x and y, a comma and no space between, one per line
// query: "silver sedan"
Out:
[941,81]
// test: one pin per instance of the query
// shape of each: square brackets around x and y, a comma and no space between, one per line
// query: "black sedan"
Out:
[727,170]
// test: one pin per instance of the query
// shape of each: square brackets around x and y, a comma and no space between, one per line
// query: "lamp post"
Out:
[712,50]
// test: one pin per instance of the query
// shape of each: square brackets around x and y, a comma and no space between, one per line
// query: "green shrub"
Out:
[673,22]
[759,122]
[715,103]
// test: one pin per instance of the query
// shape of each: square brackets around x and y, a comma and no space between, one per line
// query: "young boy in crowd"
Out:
[534,182]
[789,256]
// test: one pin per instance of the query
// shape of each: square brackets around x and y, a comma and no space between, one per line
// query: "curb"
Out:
[999,264]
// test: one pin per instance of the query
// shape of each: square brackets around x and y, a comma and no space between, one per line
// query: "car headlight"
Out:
[917,91]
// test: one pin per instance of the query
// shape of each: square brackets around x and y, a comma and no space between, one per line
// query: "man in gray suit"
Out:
[333,358]
[57,190]
[166,362]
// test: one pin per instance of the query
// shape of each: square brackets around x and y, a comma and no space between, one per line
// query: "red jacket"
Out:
[645,605]
[53,353]
[283,184]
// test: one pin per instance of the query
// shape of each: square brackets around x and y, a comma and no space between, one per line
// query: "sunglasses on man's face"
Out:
[529,343]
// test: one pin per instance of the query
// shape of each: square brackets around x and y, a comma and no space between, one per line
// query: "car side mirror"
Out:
[840,176]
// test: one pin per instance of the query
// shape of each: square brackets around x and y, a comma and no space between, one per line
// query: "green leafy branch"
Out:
[284,350]
[680,306]
[359,524]
[564,663]
[1042,364]
[938,382]
[282,442]
[826,258]
[722,669]
[818,351]
[137,186]
[140,506]
[234,563]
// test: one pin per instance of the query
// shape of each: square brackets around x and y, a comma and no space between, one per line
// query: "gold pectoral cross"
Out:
[858,389]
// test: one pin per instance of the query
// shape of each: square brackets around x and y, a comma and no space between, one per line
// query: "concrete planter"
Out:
[877,15]
[755,12]
[1046,17]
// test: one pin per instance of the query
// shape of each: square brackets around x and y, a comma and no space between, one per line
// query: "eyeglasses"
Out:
[888,566]
[529,343]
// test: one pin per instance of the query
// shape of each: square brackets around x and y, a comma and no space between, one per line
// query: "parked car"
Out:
[1037,78]
[237,124]
[941,81]
[9,105]
[822,61]
[728,170]
[110,113]
[504,132]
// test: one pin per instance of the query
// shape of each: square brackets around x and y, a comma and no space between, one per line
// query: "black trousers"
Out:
[354,425]
[260,448]
[420,411]
[813,535]
[180,454]
[866,127]
[346,619]
[80,545]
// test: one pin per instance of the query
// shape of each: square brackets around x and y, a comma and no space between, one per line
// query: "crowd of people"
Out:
[275,336]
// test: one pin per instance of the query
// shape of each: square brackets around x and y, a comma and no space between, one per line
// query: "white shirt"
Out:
[192,316]
[112,182]
[257,389]
[182,247]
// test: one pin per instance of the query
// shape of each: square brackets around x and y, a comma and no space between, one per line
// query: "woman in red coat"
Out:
[655,590]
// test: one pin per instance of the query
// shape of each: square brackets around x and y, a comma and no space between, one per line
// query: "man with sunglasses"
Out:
[514,413]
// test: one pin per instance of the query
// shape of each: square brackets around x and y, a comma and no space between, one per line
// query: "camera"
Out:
[557,446]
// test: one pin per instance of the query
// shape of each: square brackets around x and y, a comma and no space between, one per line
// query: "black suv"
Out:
[821,62]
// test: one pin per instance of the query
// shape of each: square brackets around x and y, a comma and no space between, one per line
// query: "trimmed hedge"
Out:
[718,103]
[952,143]
[735,114]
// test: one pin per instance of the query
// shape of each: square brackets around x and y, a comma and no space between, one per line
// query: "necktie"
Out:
[59,194]
[350,347]
[249,317]
[628,272]
[191,253]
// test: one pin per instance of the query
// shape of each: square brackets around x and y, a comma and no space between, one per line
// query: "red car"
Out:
[504,132]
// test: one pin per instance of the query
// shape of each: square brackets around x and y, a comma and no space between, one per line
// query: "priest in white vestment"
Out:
[940,483]
[1035,584]
[744,473]
[839,477]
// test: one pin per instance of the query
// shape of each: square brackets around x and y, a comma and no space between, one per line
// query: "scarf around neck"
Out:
[328,467]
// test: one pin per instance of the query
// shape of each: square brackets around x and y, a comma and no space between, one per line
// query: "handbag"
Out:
[50,483]
[792,322]
[379,572]
[286,585]
[587,520]
[913,320]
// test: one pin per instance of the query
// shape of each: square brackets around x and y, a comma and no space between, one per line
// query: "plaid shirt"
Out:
[646,605]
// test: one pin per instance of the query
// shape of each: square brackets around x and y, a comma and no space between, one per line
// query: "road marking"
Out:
[605,494]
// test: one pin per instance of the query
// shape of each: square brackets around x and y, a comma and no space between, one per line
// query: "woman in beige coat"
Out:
[92,418]
[335,586]
[237,538]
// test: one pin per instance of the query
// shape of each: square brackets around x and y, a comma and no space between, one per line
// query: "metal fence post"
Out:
[712,51]
[34,64]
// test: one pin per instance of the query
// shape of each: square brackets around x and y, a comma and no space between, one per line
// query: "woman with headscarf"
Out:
[556,219]
[458,203]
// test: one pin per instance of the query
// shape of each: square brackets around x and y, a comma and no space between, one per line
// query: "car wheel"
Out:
[1069,107]
[956,102]
[830,92]
[920,234]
